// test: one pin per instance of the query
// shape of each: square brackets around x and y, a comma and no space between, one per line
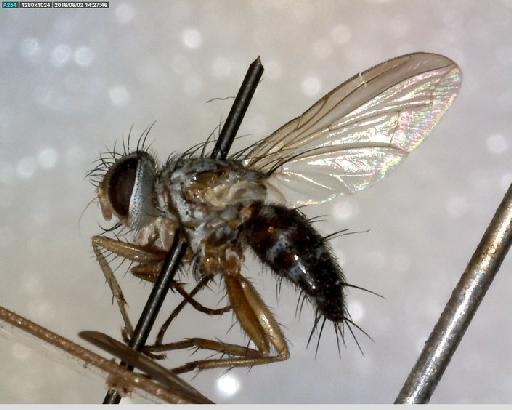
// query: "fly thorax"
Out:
[211,198]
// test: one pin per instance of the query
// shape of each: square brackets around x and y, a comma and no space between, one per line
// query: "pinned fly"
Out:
[348,140]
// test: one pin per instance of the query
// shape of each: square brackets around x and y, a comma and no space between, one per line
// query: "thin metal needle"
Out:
[179,246]
[238,109]
[461,307]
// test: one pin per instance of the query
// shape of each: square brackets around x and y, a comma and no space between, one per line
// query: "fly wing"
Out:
[359,131]
[182,391]
[164,385]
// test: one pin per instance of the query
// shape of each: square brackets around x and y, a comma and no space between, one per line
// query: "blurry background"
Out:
[75,81]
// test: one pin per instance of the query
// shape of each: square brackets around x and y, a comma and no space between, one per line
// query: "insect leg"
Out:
[126,250]
[208,344]
[188,299]
[242,353]
[256,320]
[149,272]
[198,306]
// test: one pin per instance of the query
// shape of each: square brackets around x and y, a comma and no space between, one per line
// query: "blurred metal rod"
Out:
[461,307]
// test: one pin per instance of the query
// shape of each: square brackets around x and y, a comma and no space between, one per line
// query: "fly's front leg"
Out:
[128,251]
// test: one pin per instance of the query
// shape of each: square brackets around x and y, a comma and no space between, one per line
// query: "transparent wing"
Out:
[158,384]
[358,132]
[181,390]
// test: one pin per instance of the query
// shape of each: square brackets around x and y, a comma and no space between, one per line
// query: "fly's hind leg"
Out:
[256,320]
[239,352]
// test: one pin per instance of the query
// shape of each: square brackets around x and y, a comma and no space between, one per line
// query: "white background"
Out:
[74,81]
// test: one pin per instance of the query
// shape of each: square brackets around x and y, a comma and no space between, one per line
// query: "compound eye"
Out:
[121,185]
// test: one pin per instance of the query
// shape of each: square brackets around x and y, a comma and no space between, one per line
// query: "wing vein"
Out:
[355,134]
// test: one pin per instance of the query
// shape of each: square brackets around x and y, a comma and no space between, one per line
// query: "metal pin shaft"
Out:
[461,307]
[179,246]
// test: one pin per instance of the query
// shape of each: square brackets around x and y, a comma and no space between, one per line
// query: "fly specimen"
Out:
[345,142]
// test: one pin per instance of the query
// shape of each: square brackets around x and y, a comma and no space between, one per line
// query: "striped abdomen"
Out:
[285,241]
